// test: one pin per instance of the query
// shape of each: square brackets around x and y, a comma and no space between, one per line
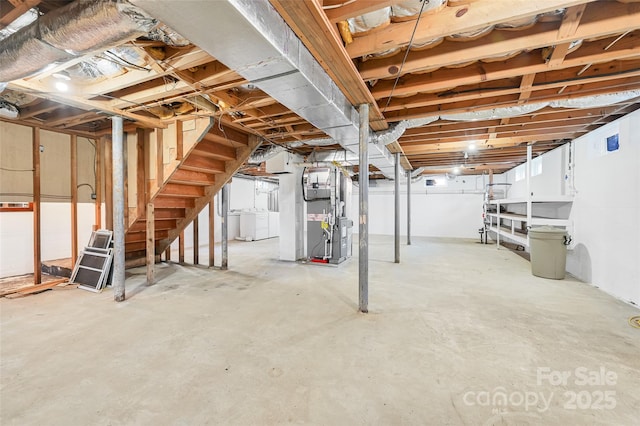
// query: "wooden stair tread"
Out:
[215,150]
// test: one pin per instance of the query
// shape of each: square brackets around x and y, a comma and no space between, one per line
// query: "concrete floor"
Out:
[452,331]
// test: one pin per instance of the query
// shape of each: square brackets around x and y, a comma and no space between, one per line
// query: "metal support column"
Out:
[529,194]
[396,215]
[225,227]
[117,149]
[408,207]
[363,237]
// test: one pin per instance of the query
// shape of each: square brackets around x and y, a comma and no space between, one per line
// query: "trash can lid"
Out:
[547,232]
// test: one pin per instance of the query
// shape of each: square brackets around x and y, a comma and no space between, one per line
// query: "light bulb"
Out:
[62,86]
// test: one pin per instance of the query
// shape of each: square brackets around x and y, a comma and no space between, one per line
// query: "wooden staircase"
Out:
[200,174]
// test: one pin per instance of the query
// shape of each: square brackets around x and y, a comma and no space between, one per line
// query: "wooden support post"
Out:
[212,243]
[167,254]
[181,248]
[224,262]
[74,198]
[196,242]
[179,141]
[148,159]
[141,182]
[37,260]
[108,183]
[97,222]
[159,158]
[151,243]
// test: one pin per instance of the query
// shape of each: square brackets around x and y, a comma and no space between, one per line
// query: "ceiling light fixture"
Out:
[456,170]
[472,146]
[62,86]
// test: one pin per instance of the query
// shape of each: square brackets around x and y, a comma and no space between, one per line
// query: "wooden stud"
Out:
[196,242]
[74,197]
[141,173]
[179,141]
[181,248]
[212,243]
[108,183]
[37,259]
[151,244]
[97,222]
[126,182]
[167,254]
[159,158]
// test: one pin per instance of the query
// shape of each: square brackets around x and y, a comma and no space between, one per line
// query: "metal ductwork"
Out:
[76,29]
[265,154]
[391,135]
[272,58]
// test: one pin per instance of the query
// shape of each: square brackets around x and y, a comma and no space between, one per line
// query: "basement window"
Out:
[536,166]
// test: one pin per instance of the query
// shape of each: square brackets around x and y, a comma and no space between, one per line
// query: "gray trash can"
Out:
[548,247]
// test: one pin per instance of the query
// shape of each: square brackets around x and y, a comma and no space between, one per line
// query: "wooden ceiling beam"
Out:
[41,91]
[617,75]
[452,20]
[34,123]
[311,25]
[502,101]
[19,8]
[470,130]
[568,28]
[74,120]
[527,63]
[530,135]
[596,22]
[357,8]
[482,134]
[412,148]
[43,106]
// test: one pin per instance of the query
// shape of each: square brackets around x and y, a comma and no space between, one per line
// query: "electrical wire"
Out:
[406,54]
[124,62]
[86,184]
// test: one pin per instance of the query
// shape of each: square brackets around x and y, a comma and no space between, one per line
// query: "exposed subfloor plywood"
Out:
[270,342]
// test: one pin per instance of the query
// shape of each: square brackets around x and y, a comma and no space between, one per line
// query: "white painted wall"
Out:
[549,183]
[606,210]
[451,211]
[16,236]
[606,207]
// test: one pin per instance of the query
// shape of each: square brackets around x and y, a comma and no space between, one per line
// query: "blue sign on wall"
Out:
[612,143]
